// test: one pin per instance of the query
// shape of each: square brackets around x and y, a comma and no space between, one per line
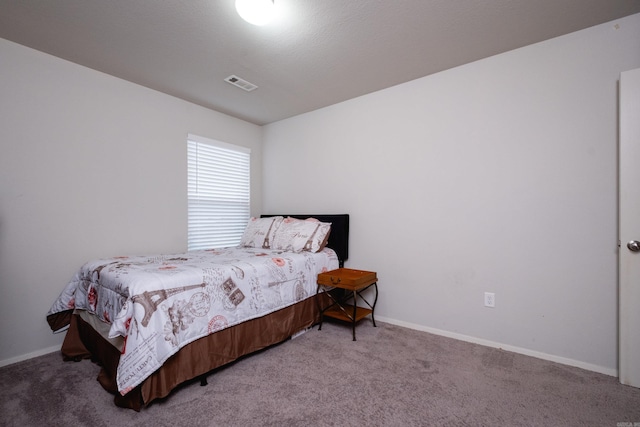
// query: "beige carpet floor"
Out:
[391,376]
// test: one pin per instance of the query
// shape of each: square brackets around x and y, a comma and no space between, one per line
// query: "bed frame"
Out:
[198,359]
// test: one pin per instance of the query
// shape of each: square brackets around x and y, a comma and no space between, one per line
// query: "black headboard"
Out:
[339,236]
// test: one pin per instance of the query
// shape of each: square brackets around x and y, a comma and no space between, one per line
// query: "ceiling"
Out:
[316,53]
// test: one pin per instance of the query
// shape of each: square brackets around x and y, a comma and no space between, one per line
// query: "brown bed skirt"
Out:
[193,360]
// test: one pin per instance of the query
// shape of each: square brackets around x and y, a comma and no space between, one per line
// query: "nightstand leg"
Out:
[373,308]
[353,320]
[320,309]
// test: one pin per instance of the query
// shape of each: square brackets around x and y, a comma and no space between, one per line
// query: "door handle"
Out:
[634,246]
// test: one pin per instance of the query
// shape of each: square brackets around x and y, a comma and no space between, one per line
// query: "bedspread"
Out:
[161,303]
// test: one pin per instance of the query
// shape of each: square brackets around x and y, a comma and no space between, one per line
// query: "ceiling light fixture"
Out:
[256,12]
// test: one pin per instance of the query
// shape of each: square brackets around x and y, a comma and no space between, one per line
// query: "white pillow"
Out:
[259,232]
[297,235]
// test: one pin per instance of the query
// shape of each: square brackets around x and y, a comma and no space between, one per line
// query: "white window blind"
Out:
[218,193]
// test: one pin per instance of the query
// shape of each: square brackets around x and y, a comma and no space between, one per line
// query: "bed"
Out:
[155,322]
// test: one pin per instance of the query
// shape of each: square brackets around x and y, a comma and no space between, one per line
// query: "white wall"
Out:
[498,176]
[90,166]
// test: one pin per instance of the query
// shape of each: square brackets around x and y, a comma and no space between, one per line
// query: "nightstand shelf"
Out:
[346,313]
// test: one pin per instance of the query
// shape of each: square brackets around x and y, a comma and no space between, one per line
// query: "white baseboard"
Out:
[27,356]
[514,349]
[300,332]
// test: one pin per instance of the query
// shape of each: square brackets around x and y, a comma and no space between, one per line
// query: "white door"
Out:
[629,228]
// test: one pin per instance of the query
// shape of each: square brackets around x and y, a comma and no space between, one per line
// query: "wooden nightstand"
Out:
[344,304]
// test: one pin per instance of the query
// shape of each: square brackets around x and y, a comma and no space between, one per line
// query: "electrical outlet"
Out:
[489,299]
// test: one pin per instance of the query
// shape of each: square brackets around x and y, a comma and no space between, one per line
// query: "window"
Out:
[218,193]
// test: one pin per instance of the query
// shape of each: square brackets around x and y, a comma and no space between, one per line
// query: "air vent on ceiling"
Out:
[241,83]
